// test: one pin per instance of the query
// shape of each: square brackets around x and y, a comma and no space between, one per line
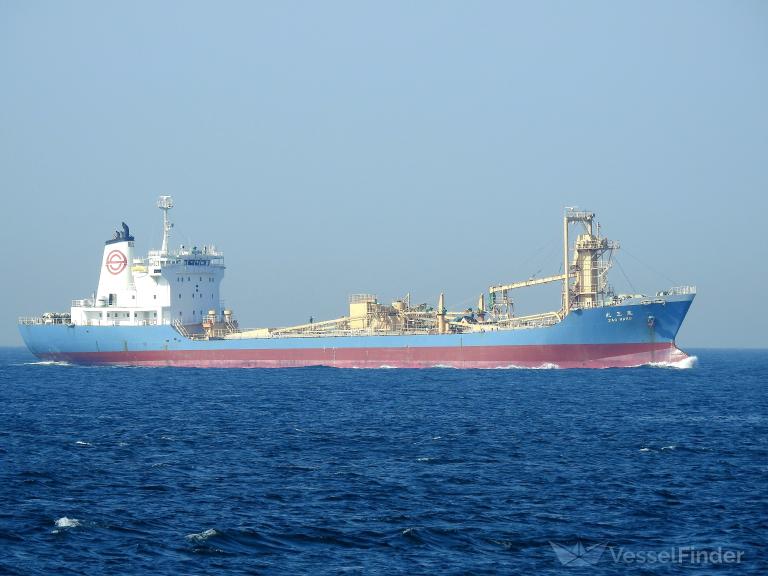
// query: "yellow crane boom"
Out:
[526,283]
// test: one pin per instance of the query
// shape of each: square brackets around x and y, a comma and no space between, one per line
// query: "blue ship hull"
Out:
[624,335]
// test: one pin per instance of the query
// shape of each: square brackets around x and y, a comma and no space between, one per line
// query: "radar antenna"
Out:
[165,203]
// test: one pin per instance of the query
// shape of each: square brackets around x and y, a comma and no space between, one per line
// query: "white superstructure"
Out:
[167,287]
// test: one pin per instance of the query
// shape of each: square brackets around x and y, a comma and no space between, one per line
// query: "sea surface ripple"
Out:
[325,471]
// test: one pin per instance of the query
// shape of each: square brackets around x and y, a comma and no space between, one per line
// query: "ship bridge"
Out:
[167,287]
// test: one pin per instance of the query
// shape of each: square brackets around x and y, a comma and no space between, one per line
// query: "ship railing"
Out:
[339,333]
[537,321]
[593,244]
[126,322]
[45,319]
[221,332]
[579,214]
[330,333]
[66,319]
[84,303]
[682,290]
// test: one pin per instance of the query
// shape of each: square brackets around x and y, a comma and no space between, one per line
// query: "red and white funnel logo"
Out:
[116,262]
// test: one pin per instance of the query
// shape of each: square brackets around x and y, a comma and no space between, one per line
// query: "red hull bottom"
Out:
[549,356]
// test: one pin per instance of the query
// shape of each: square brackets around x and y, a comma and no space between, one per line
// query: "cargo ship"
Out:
[166,310]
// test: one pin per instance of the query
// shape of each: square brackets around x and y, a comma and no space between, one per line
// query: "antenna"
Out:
[165,203]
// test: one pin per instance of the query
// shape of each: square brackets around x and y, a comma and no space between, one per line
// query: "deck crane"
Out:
[587,267]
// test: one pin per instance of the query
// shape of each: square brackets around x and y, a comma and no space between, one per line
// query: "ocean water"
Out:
[325,471]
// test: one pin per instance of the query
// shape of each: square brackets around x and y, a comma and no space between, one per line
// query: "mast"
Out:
[165,203]
[566,281]
[441,325]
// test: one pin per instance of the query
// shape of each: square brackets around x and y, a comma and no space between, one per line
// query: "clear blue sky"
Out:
[337,147]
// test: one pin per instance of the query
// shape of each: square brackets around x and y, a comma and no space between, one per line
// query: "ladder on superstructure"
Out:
[179,327]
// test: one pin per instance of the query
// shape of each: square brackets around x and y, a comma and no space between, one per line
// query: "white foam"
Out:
[386,367]
[424,459]
[441,366]
[81,443]
[547,366]
[670,447]
[645,449]
[544,366]
[65,522]
[47,363]
[685,364]
[201,536]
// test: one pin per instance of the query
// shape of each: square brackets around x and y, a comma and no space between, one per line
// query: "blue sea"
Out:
[653,470]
